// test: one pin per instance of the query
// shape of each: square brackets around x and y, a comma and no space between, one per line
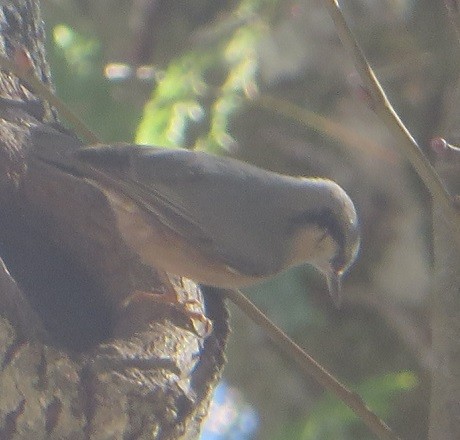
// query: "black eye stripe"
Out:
[324,219]
[322,237]
[327,221]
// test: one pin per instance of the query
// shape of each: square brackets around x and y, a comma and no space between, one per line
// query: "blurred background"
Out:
[267,81]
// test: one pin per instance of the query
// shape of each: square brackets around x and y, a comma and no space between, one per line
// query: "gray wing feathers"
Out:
[205,199]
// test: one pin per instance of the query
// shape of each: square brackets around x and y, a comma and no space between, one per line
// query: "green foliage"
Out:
[175,102]
[297,310]
[193,103]
[78,64]
[80,54]
[332,419]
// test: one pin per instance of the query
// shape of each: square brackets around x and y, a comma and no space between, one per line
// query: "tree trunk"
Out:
[77,360]
[445,398]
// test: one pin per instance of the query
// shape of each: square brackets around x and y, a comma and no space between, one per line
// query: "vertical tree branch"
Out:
[445,411]
[445,394]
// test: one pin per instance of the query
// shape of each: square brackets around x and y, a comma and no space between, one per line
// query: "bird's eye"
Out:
[322,237]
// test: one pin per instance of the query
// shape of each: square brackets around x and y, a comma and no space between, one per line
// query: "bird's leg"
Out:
[170,296]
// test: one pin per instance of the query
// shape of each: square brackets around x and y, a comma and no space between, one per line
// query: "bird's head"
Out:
[326,232]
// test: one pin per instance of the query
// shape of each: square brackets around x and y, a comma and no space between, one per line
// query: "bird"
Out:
[213,219]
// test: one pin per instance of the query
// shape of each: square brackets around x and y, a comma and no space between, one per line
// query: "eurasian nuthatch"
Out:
[219,221]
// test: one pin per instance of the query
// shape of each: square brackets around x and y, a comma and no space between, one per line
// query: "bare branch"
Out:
[22,67]
[309,366]
[386,112]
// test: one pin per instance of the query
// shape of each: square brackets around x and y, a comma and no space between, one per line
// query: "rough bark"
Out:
[75,362]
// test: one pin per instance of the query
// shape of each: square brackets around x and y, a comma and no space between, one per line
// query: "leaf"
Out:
[192,105]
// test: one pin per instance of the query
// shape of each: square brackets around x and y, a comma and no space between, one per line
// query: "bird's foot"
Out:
[169,296]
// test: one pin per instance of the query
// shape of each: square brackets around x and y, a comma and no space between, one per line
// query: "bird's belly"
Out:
[162,248]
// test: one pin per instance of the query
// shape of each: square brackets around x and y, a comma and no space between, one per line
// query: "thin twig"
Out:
[310,366]
[386,112]
[29,77]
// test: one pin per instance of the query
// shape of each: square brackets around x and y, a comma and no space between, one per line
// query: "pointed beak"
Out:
[334,283]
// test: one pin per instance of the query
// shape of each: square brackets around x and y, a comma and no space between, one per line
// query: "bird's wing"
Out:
[185,193]
[171,215]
